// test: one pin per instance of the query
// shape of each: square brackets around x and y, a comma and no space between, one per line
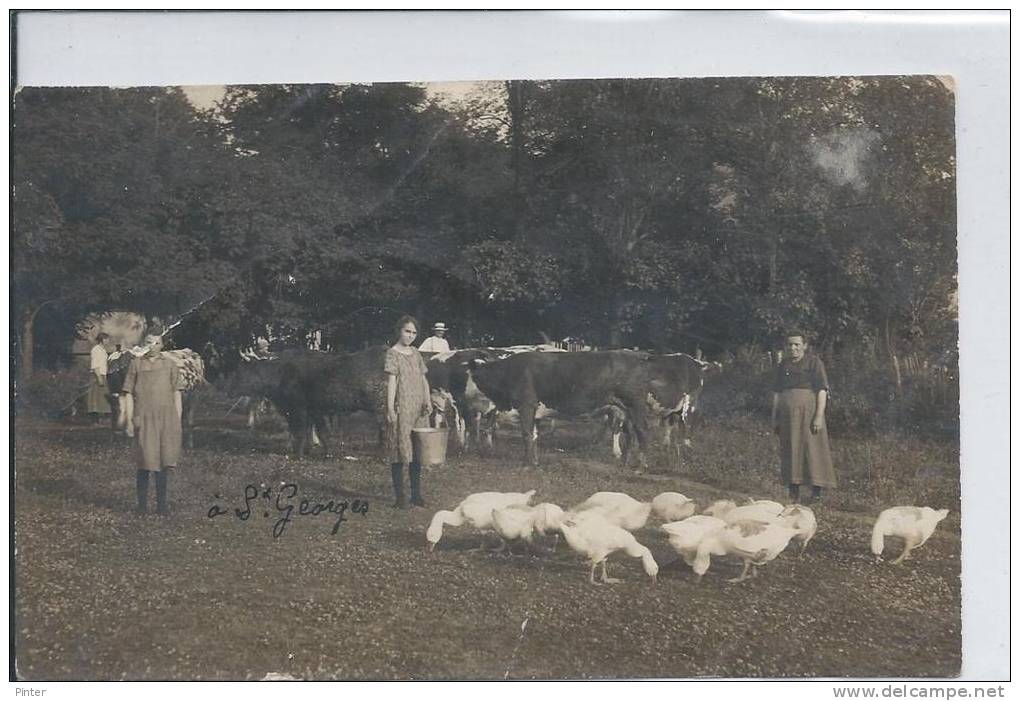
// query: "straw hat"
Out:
[439,326]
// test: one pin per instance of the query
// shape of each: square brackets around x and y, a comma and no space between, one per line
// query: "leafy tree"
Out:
[108,205]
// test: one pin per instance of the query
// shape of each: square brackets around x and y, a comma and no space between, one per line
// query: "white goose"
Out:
[765,503]
[476,510]
[685,536]
[597,539]
[755,511]
[755,542]
[803,519]
[912,523]
[630,514]
[719,507]
[522,522]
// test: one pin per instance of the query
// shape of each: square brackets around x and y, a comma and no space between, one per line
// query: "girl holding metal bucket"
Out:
[407,407]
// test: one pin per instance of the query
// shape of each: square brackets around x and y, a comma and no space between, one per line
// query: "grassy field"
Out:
[103,594]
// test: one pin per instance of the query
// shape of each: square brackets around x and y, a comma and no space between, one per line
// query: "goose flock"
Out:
[755,533]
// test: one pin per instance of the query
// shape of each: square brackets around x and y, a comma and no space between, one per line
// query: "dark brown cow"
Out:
[574,384]
[306,387]
[449,371]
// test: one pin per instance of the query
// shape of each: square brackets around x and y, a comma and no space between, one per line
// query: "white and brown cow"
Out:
[674,385]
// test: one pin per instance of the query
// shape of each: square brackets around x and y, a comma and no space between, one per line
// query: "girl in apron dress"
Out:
[407,407]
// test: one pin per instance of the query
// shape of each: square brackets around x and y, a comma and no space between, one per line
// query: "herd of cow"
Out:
[630,391]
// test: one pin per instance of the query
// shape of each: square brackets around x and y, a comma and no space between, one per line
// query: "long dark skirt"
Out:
[97,400]
[804,456]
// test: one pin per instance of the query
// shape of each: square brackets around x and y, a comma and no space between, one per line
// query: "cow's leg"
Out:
[626,439]
[527,415]
[453,420]
[297,424]
[462,431]
[684,440]
[321,425]
[188,420]
[637,415]
[669,440]
[602,427]
[338,433]
[115,412]
[491,425]
[475,434]
[127,415]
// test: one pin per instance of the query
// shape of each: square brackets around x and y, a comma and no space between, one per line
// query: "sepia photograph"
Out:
[376,380]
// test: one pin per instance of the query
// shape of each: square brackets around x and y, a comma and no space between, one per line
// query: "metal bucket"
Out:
[429,445]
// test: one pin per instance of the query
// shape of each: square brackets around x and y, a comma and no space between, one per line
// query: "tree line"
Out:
[668,214]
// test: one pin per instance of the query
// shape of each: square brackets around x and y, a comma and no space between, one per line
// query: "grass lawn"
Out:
[103,594]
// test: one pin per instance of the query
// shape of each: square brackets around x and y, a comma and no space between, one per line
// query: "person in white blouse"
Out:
[97,400]
[436,343]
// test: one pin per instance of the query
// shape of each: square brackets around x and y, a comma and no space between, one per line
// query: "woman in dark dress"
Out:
[798,414]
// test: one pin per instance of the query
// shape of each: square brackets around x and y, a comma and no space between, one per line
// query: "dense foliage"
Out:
[668,214]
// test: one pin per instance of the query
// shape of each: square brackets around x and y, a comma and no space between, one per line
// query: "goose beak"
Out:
[430,547]
[655,580]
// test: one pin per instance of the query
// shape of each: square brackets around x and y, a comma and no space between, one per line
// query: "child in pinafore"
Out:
[154,382]
[407,407]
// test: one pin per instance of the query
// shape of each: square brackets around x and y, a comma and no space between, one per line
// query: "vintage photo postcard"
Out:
[607,378]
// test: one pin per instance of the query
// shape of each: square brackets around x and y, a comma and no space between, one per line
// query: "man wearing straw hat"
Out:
[436,343]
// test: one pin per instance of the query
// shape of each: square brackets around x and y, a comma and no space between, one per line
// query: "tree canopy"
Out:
[658,213]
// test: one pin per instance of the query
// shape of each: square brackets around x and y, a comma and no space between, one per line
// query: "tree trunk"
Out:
[515,108]
[774,236]
[26,350]
[894,363]
[616,324]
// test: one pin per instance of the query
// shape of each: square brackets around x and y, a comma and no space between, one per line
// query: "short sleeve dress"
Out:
[153,383]
[408,369]
[97,401]
[805,457]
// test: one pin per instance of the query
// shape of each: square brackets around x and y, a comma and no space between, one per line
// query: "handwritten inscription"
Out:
[284,505]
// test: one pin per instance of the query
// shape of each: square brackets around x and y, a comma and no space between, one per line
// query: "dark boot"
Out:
[397,471]
[794,493]
[816,493]
[161,478]
[142,487]
[416,485]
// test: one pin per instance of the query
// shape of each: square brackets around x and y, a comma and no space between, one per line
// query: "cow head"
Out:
[712,368]
[446,413]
